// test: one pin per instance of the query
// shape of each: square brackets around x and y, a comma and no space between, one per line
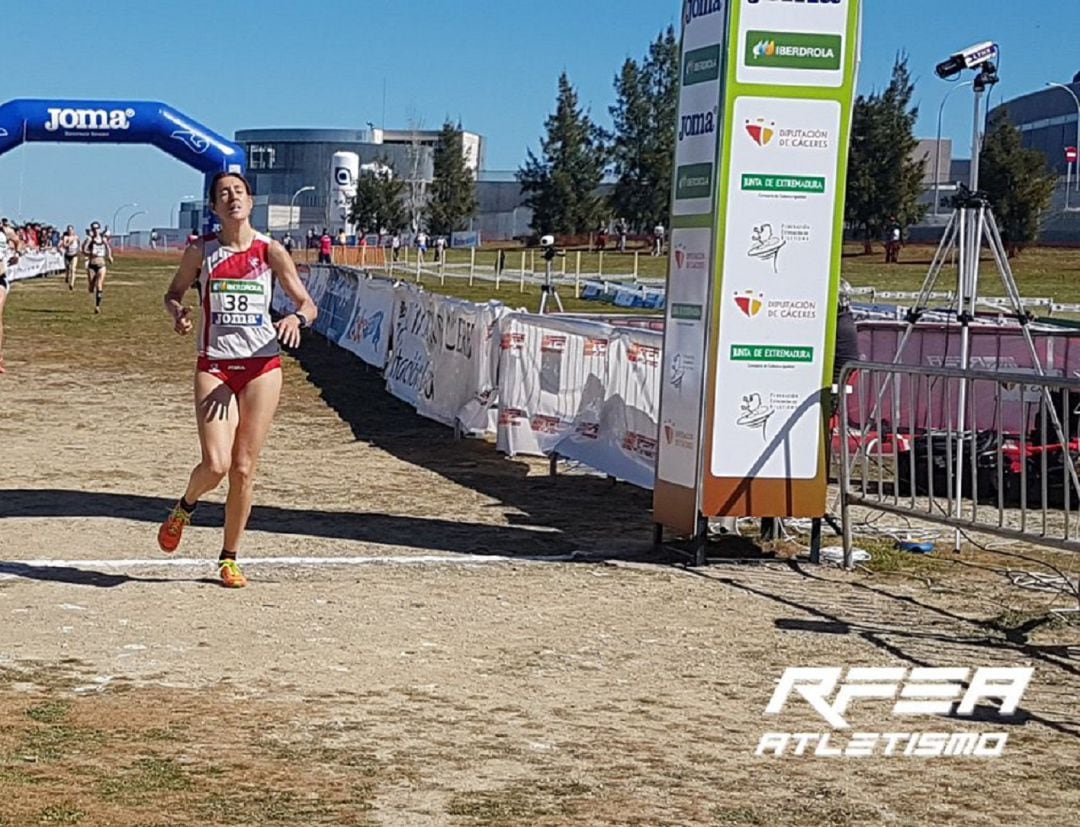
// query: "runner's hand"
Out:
[183,323]
[288,331]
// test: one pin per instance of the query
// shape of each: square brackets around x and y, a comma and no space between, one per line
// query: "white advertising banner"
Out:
[317,282]
[552,374]
[615,429]
[367,333]
[408,369]
[684,360]
[442,357]
[336,304]
[692,258]
[35,263]
[699,127]
[461,337]
[782,176]
[771,350]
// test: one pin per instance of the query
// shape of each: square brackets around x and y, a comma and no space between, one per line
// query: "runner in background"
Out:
[238,373]
[69,246]
[98,252]
[10,247]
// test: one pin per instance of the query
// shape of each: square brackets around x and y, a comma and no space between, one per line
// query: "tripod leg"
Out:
[948,240]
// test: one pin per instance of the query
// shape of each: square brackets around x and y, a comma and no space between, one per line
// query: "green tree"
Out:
[379,202]
[1017,183]
[885,179]
[561,184]
[643,141]
[453,190]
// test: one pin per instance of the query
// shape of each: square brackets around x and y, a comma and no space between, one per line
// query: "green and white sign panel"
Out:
[692,242]
[767,89]
[782,173]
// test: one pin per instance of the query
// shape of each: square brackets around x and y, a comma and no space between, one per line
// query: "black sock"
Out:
[226,555]
[97,299]
[188,507]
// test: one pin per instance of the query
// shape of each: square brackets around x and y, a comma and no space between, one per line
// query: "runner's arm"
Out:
[185,276]
[284,269]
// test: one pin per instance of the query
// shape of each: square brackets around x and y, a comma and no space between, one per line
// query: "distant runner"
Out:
[69,246]
[98,252]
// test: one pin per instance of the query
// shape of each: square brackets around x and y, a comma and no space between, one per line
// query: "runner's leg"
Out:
[257,403]
[217,416]
[99,289]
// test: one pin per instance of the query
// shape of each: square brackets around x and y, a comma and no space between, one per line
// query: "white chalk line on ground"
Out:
[194,562]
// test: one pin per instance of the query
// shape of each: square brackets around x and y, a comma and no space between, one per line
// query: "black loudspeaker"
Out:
[930,458]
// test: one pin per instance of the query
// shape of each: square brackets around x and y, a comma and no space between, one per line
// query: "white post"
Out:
[600,264]
[472,265]
[637,255]
[419,264]
[442,271]
[532,261]
[577,275]
[498,275]
[521,283]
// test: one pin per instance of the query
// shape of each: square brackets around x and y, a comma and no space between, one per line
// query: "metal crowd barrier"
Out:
[908,434]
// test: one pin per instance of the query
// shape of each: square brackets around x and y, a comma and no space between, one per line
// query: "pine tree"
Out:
[1017,183]
[379,202]
[561,184]
[643,142]
[884,179]
[453,190]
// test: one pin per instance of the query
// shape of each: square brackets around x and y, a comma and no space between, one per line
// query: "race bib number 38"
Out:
[237,303]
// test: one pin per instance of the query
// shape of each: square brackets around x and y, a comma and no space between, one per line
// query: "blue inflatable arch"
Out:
[121,122]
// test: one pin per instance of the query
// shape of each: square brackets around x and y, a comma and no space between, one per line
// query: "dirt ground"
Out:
[395,681]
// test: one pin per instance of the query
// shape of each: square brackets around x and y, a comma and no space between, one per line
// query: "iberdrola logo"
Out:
[764,48]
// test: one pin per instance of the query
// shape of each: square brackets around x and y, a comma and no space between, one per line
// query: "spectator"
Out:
[288,243]
[658,239]
[894,235]
[342,239]
[622,231]
[601,238]
[10,248]
[395,246]
[440,248]
[421,245]
[326,247]
[153,239]
[311,238]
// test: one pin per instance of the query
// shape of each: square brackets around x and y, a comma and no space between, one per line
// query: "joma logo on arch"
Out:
[89,119]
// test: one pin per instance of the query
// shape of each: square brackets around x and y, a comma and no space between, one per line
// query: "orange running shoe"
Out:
[230,574]
[172,529]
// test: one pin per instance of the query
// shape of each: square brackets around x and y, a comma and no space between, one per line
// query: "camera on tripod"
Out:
[547,242]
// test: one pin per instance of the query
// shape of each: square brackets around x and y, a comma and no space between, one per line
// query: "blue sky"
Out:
[492,63]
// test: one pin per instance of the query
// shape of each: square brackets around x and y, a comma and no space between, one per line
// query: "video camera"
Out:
[548,243]
[973,57]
